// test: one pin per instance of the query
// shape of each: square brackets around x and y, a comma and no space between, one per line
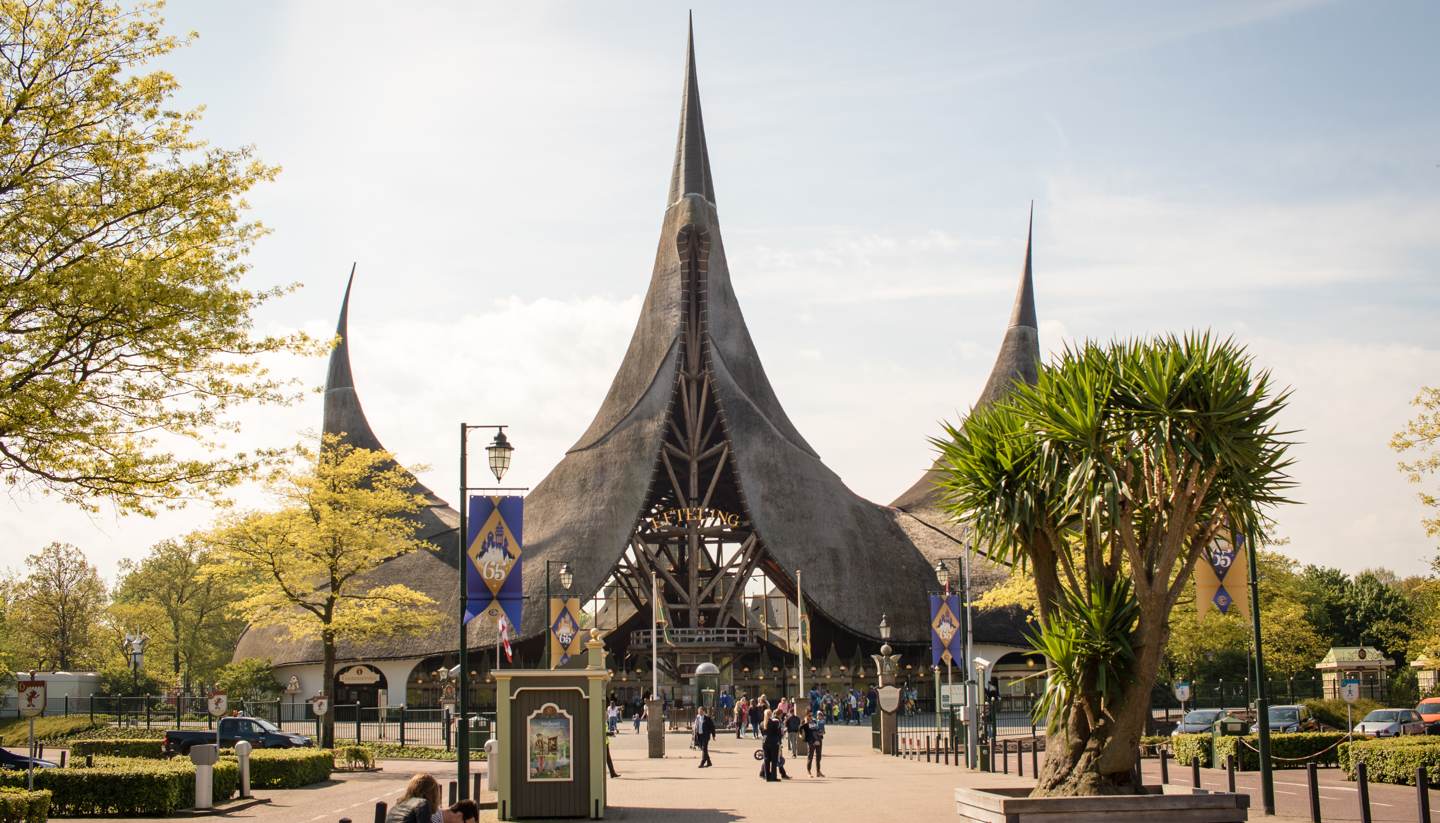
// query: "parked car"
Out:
[11,760]
[1199,721]
[1291,719]
[1429,711]
[262,734]
[1391,722]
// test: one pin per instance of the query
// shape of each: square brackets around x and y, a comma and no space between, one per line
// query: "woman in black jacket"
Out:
[774,733]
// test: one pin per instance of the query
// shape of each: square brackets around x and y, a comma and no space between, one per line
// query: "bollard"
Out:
[1314,786]
[345,820]
[927,748]
[242,751]
[1422,790]
[89,760]
[492,753]
[1005,756]
[476,779]
[451,795]
[1035,757]
[62,759]
[1195,771]
[1362,781]
[380,811]
[204,756]
[947,751]
[1020,758]
[1230,771]
[1164,765]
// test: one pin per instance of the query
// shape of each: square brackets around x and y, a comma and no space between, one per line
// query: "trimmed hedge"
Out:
[118,747]
[124,733]
[394,751]
[21,806]
[48,730]
[289,768]
[127,787]
[1392,759]
[1188,747]
[1287,751]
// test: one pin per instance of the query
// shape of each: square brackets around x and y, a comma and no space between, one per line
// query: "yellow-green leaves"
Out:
[122,241]
[343,511]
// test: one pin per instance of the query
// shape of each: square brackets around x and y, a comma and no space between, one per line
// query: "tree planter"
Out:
[1173,804]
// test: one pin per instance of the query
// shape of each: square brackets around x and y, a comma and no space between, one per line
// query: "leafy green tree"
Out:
[344,511]
[187,613]
[1109,477]
[1380,614]
[122,242]
[250,679]
[57,608]
[1327,595]
[1420,439]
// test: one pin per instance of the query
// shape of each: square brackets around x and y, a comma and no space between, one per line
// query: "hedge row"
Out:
[21,806]
[126,787]
[354,757]
[117,747]
[1392,760]
[289,768]
[1188,747]
[16,733]
[1287,751]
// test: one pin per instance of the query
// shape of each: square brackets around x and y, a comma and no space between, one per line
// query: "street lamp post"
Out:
[566,580]
[972,695]
[498,455]
[886,666]
[135,649]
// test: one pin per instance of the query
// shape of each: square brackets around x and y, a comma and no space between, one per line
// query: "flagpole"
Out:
[654,638]
[800,610]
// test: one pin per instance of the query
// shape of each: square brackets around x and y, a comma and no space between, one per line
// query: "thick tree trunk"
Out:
[327,722]
[1084,760]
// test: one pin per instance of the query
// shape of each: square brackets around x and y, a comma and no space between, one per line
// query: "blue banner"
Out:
[946,643]
[494,546]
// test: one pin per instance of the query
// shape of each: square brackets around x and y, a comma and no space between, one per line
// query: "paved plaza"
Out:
[860,785]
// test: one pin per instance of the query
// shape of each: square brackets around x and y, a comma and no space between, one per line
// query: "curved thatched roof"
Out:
[860,559]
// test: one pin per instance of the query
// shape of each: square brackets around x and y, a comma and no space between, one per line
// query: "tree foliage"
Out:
[1420,440]
[304,567]
[57,608]
[186,612]
[123,330]
[1108,478]
[249,679]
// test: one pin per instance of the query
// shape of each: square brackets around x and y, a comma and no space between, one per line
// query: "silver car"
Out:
[1391,722]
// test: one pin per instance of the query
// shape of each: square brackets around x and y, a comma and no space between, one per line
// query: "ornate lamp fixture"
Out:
[499,451]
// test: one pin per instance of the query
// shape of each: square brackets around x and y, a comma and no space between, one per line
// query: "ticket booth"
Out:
[551,759]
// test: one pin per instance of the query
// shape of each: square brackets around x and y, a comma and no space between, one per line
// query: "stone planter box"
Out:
[1172,804]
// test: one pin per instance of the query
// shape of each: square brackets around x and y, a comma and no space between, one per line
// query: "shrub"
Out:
[354,757]
[289,768]
[47,729]
[1332,712]
[21,806]
[1392,760]
[1151,744]
[122,733]
[1188,747]
[394,751]
[1287,751]
[129,787]
[117,747]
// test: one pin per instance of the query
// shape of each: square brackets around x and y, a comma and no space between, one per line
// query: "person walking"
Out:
[609,763]
[742,716]
[792,732]
[757,715]
[770,748]
[704,733]
[815,737]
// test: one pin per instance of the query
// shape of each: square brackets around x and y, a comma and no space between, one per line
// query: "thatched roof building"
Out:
[692,425]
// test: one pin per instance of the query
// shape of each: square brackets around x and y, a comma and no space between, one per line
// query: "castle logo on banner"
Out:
[494,546]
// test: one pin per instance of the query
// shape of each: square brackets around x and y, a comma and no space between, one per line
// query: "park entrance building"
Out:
[692,497]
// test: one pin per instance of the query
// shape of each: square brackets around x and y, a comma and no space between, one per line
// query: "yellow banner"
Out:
[566,641]
[1222,578]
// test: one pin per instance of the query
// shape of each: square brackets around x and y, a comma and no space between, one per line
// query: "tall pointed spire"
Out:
[692,160]
[1018,361]
[339,375]
[1024,313]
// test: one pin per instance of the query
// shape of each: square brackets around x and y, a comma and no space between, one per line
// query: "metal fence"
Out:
[432,727]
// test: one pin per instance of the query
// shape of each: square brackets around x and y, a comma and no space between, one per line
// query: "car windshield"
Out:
[1429,707]
[1206,716]
[1282,714]
[1382,716]
[266,725]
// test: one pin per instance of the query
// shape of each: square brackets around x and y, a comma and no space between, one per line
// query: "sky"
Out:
[1268,169]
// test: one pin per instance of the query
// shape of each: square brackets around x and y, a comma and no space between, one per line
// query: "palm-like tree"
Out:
[1107,479]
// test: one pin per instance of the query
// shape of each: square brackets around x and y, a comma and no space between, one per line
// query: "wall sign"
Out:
[359,676]
[704,516]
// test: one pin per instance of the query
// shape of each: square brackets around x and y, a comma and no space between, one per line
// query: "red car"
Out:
[1429,710]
